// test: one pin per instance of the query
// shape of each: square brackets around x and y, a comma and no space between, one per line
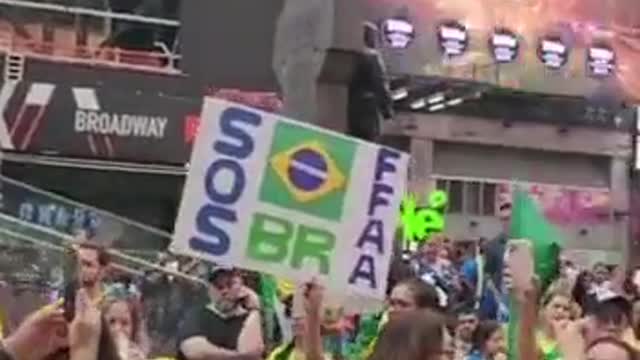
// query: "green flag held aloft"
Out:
[528,222]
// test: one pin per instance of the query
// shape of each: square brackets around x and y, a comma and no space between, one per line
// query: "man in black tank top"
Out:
[226,328]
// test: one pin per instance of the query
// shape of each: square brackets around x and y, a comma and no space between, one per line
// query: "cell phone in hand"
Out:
[520,263]
[70,287]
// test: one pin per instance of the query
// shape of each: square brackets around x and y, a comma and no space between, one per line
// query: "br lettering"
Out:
[276,240]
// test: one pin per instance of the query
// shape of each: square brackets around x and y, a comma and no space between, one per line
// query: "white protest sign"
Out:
[278,196]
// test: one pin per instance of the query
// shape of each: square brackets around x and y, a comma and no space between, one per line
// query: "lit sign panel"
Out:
[504,45]
[553,53]
[453,38]
[601,60]
[463,40]
[398,33]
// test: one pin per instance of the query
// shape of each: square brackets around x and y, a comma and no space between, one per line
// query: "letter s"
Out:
[206,224]
[230,122]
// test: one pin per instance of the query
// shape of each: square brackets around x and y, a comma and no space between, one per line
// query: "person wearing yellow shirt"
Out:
[307,317]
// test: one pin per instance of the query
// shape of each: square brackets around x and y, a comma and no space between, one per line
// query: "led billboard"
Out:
[571,47]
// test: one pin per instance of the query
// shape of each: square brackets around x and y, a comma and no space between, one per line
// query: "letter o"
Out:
[239,181]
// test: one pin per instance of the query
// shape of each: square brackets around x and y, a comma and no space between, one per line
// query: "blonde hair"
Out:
[560,287]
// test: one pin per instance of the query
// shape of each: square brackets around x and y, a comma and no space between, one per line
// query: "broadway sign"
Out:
[44,118]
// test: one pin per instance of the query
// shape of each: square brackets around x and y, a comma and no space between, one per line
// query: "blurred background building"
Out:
[539,94]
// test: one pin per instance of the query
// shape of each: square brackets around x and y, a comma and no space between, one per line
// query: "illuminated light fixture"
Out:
[398,32]
[399,94]
[601,60]
[418,104]
[504,45]
[553,53]
[453,38]
[436,98]
[437,107]
[455,102]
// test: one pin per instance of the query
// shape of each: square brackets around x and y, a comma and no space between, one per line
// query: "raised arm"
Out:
[85,329]
[520,266]
[313,307]
[528,307]
[250,341]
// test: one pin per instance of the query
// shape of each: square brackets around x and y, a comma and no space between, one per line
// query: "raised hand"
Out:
[86,328]
[570,339]
[46,328]
[314,298]
[251,300]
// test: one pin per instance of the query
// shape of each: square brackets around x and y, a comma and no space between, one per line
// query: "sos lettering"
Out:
[271,239]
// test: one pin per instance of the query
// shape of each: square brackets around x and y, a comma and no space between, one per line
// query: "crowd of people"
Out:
[444,302]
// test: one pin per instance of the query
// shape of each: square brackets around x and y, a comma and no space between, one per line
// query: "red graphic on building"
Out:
[191,124]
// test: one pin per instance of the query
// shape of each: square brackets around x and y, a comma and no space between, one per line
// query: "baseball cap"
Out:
[218,270]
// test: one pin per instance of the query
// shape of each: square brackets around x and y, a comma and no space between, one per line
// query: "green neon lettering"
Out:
[438,200]
[419,224]
[433,221]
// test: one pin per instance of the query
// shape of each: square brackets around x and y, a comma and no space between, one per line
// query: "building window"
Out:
[489,194]
[469,197]
[455,190]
